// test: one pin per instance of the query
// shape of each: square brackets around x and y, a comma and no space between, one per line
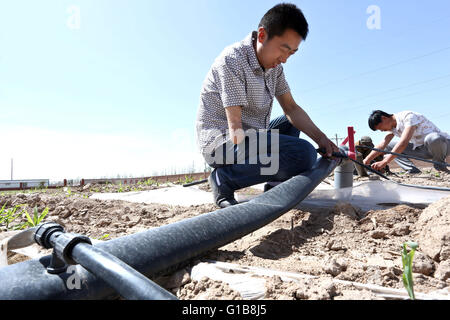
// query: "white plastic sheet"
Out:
[366,195]
[176,195]
[373,195]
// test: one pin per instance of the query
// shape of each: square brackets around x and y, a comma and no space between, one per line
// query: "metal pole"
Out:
[11,168]
[337,139]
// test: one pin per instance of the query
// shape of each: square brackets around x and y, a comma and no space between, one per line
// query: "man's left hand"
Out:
[328,145]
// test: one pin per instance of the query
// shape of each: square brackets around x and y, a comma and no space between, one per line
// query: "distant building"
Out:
[23,184]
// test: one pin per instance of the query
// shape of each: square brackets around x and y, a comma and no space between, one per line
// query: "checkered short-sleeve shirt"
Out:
[237,79]
[423,127]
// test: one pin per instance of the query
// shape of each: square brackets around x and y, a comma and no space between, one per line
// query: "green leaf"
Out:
[28,217]
[413,245]
[35,216]
[43,214]
[407,260]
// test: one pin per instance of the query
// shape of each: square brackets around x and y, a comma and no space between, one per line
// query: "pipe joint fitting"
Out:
[43,233]
[63,244]
[51,235]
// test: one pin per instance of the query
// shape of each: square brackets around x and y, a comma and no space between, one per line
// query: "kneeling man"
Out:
[418,137]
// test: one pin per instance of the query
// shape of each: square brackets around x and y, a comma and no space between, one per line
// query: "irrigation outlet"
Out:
[156,251]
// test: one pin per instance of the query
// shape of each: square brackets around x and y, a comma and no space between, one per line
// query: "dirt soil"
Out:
[343,243]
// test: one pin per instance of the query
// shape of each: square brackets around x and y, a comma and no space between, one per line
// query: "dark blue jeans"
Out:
[239,168]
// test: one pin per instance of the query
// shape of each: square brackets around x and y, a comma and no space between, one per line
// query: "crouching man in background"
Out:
[418,137]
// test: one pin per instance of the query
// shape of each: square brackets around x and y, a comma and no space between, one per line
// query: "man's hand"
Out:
[328,145]
[379,165]
[373,154]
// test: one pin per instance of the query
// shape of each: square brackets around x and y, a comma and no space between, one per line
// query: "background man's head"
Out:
[380,120]
[366,139]
[280,33]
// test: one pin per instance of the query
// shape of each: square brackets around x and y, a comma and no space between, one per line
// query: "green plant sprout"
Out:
[150,182]
[188,179]
[407,259]
[37,218]
[9,215]
[103,237]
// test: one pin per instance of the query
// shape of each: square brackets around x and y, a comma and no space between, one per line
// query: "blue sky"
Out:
[117,94]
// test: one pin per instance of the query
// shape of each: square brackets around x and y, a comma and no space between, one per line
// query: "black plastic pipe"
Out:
[195,183]
[131,284]
[155,251]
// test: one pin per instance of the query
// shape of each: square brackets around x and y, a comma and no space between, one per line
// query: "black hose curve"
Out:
[195,183]
[154,251]
[129,283]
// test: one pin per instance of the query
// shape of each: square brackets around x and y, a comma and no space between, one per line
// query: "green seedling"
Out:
[150,182]
[188,179]
[407,260]
[9,215]
[103,237]
[36,219]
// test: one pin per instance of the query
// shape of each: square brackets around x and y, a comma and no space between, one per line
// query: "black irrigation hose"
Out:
[407,156]
[195,182]
[157,251]
[72,249]
[131,284]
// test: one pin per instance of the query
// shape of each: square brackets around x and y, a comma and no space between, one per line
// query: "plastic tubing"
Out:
[129,283]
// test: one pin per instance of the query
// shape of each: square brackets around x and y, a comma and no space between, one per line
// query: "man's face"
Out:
[271,53]
[386,124]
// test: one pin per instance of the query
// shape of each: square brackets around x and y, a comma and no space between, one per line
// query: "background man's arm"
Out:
[300,119]
[399,148]
[382,145]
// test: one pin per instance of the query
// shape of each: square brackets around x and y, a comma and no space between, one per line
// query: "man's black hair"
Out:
[284,16]
[375,118]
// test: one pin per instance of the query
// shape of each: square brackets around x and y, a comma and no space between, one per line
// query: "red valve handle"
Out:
[351,143]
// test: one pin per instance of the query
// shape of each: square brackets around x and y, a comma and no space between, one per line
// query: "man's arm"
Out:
[300,119]
[382,145]
[399,148]
[234,117]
